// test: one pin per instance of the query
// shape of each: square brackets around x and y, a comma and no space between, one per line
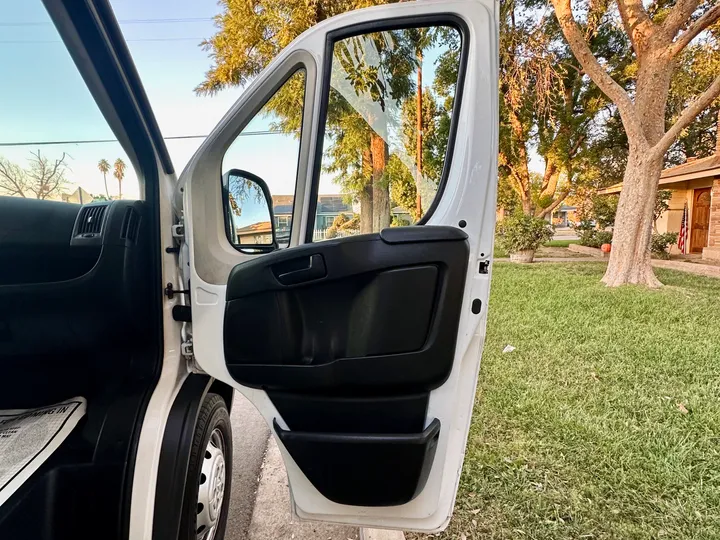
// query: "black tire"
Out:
[213,414]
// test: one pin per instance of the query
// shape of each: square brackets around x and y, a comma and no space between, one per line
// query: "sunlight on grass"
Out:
[560,243]
[605,421]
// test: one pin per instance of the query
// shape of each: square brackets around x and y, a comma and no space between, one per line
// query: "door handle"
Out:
[312,270]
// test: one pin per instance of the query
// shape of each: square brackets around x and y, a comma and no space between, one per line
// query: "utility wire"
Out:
[121,21]
[21,41]
[94,141]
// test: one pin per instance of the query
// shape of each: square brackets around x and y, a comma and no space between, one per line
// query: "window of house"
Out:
[388,126]
[268,148]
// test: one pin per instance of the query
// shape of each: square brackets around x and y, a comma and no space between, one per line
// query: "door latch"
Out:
[484,267]
[178,230]
[186,348]
[170,291]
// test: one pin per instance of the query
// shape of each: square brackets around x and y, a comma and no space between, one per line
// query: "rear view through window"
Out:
[389,115]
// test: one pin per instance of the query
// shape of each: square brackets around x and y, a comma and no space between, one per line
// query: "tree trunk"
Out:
[419,137]
[630,255]
[717,135]
[380,188]
[107,191]
[366,195]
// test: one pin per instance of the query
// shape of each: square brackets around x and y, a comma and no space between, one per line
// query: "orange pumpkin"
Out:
[605,248]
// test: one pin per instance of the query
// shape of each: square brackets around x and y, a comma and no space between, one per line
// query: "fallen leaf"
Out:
[474,522]
[681,407]
[475,512]
[508,348]
[594,376]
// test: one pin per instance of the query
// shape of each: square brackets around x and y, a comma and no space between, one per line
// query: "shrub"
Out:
[660,243]
[591,237]
[520,232]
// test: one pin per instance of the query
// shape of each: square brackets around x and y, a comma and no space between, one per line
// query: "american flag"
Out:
[682,237]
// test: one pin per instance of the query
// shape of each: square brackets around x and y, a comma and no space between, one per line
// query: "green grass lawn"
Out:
[560,243]
[605,422]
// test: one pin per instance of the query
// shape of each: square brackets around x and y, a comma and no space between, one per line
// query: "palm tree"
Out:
[119,173]
[104,168]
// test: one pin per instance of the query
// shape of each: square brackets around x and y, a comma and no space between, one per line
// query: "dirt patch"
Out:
[558,252]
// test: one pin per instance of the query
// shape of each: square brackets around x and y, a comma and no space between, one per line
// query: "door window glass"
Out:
[388,124]
[268,148]
[54,142]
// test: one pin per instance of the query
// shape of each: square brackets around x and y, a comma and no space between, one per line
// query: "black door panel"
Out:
[349,336]
[383,316]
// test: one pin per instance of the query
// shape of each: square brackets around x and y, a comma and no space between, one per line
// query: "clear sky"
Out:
[43,98]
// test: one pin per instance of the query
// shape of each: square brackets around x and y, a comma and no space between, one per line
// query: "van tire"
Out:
[213,422]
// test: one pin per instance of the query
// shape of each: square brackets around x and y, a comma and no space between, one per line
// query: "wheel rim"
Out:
[211,488]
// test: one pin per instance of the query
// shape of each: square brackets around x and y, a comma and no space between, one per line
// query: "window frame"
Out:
[265,248]
[399,23]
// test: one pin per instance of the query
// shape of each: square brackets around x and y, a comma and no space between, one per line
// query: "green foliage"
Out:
[507,197]
[661,242]
[403,190]
[520,232]
[662,203]
[591,237]
[343,225]
[604,208]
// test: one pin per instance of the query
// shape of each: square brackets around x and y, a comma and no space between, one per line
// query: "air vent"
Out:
[90,220]
[130,225]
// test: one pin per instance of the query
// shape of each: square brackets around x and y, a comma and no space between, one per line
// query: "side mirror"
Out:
[249,220]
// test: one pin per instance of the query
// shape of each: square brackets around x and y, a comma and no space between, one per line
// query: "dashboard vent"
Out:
[90,220]
[130,225]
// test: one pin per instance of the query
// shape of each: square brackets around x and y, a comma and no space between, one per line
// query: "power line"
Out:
[16,42]
[100,141]
[122,21]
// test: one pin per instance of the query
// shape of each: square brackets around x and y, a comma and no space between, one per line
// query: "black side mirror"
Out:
[249,219]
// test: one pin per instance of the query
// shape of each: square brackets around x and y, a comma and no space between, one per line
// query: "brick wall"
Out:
[714,232]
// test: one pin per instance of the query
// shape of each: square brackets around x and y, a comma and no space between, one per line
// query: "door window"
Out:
[389,118]
[54,142]
[268,147]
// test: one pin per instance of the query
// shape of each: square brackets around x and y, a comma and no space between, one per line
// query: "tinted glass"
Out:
[390,106]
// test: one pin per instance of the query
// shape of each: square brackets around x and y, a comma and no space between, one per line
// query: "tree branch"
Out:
[678,16]
[637,23]
[709,18]
[545,211]
[590,64]
[687,117]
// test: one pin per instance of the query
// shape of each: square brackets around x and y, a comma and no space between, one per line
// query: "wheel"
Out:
[207,490]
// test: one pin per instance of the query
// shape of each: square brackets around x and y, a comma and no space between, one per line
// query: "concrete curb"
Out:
[272,518]
[381,534]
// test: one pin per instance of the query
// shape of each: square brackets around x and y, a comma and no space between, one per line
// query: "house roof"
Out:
[256,228]
[709,165]
[692,170]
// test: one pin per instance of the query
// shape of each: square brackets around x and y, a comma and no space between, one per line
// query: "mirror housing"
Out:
[248,206]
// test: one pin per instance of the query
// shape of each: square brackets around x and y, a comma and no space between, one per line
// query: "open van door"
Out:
[356,333]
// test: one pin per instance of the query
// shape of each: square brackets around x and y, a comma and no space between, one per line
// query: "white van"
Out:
[127,325]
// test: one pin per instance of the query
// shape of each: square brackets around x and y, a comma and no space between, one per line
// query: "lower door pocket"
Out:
[364,469]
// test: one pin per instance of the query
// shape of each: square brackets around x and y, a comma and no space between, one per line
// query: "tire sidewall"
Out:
[213,414]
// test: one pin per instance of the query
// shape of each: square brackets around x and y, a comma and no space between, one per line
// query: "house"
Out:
[259,233]
[328,208]
[697,184]
[563,216]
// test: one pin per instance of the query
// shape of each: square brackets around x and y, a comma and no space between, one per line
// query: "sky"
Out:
[47,100]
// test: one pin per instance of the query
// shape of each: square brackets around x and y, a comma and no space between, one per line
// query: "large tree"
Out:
[43,178]
[547,105]
[250,34]
[658,35]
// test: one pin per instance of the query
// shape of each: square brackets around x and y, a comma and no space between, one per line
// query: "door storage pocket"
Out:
[364,469]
